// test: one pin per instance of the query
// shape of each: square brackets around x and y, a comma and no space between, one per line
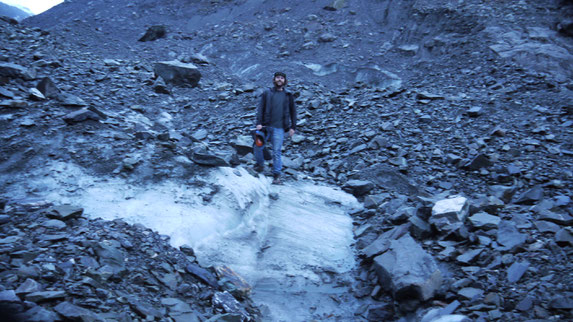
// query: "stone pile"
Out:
[59,265]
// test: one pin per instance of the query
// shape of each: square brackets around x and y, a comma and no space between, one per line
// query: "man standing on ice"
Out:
[276,113]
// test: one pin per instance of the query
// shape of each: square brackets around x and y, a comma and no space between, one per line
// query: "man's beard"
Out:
[277,85]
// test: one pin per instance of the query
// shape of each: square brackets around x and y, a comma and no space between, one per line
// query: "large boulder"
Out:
[178,73]
[408,271]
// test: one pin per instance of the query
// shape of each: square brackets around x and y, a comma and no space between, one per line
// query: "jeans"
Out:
[276,137]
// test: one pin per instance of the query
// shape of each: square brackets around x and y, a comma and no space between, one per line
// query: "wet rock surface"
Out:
[407,105]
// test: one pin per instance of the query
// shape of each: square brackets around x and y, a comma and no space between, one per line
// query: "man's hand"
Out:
[291,132]
[259,127]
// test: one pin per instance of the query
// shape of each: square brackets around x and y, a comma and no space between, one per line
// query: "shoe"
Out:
[277,179]
[259,168]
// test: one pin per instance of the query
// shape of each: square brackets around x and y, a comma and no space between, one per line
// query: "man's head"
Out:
[279,79]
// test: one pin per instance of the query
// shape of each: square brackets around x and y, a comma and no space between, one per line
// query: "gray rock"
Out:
[382,243]
[36,95]
[9,296]
[39,314]
[509,236]
[484,220]
[110,255]
[327,37]
[206,157]
[226,302]
[201,135]
[408,271]
[469,256]
[470,293]
[178,73]
[48,88]
[558,218]
[16,71]
[75,313]
[478,162]
[29,286]
[530,196]
[72,100]
[358,187]
[160,87]
[45,296]
[546,226]
[65,212]
[202,274]
[447,212]
[54,223]
[516,271]
[81,116]
[154,33]
[564,237]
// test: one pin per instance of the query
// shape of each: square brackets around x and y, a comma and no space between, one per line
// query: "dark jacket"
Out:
[264,111]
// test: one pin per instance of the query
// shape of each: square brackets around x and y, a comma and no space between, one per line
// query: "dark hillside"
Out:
[402,103]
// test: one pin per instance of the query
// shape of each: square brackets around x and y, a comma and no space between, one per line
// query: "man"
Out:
[277,113]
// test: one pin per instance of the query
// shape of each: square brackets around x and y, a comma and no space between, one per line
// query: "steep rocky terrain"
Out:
[403,103]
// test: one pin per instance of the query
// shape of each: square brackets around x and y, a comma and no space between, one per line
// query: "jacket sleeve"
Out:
[292,112]
[261,109]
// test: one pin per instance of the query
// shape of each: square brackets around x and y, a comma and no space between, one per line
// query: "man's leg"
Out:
[259,156]
[277,137]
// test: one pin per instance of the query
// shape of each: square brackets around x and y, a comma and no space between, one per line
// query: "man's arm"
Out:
[292,112]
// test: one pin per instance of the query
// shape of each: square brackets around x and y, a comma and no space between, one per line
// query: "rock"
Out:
[233,282]
[546,226]
[382,243]
[36,95]
[358,187]
[81,116]
[154,33]
[202,274]
[16,71]
[72,100]
[160,87]
[47,87]
[408,271]
[470,293]
[564,237]
[110,255]
[65,212]
[478,162]
[448,212]
[201,135]
[9,296]
[509,236]
[530,196]
[29,286]
[226,302]
[39,314]
[558,218]
[327,37]
[178,73]
[383,80]
[475,111]
[484,220]
[469,256]
[516,271]
[74,313]
[45,296]
[206,157]
[54,223]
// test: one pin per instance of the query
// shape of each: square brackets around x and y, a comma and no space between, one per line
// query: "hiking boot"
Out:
[277,179]
[259,168]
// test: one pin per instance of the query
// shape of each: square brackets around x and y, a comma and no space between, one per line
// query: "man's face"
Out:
[279,81]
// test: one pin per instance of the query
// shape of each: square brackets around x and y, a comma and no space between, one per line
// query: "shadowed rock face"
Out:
[404,103]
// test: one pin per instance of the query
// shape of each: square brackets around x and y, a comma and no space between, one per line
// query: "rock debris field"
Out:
[449,121]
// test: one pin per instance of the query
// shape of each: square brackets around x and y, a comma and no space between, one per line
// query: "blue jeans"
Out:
[276,137]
